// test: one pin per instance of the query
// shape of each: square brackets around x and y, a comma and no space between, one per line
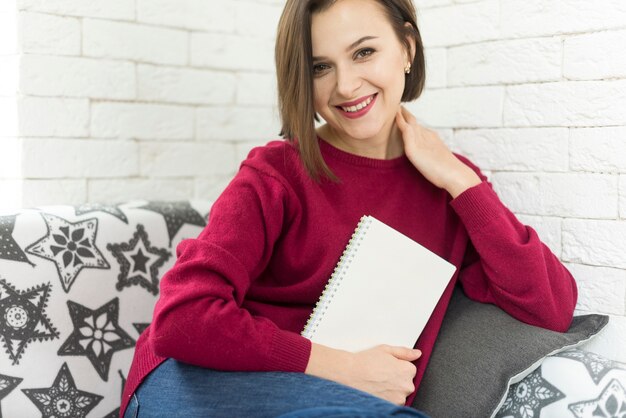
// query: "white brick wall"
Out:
[161,99]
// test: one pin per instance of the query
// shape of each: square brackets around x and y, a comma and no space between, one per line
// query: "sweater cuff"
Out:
[477,206]
[290,352]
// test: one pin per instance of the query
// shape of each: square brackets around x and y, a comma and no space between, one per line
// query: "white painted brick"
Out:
[111,9]
[49,34]
[600,289]
[515,61]
[185,85]
[237,124]
[622,196]
[532,149]
[78,158]
[473,22]
[172,159]
[231,52]
[540,17]
[11,192]
[10,152]
[141,121]
[8,6]
[559,194]
[436,67]
[611,341]
[424,4]
[595,55]
[53,192]
[53,117]
[77,77]
[595,242]
[208,15]
[109,39]
[115,190]
[598,149]
[9,70]
[242,149]
[8,117]
[257,89]
[573,103]
[548,229]
[475,107]
[210,188]
[257,19]
[8,33]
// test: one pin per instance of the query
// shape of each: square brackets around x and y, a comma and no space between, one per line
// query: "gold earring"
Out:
[407,69]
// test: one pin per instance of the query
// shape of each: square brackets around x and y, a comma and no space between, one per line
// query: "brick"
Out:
[9,70]
[231,52]
[515,61]
[472,22]
[611,341]
[548,229]
[10,150]
[131,41]
[476,107]
[257,89]
[600,289]
[257,19]
[595,242]
[77,77]
[237,124]
[539,17]
[141,121]
[515,149]
[11,192]
[49,34]
[8,6]
[8,117]
[622,196]
[436,67]
[242,149]
[191,86]
[8,33]
[210,188]
[171,159]
[78,158]
[598,149]
[559,194]
[573,103]
[206,15]
[119,190]
[54,117]
[110,9]
[423,4]
[53,192]
[595,56]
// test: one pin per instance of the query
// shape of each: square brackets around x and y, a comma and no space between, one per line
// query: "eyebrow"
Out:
[352,46]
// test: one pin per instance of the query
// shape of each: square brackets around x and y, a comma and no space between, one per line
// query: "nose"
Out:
[348,82]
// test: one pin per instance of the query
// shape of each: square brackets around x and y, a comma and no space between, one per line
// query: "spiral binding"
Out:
[335,279]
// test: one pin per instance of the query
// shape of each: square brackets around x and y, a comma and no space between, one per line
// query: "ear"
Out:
[411,41]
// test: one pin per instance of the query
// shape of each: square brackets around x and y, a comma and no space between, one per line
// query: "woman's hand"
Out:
[384,371]
[432,158]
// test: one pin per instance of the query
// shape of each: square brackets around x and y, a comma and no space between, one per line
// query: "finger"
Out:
[404,353]
[408,116]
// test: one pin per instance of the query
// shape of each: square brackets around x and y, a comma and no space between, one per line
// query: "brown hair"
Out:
[294,72]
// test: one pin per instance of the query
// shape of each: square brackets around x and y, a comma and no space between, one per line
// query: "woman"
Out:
[225,337]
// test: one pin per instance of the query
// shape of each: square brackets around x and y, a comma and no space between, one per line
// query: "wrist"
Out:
[328,363]
[460,183]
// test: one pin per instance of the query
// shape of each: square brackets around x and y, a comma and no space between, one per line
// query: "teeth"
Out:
[358,106]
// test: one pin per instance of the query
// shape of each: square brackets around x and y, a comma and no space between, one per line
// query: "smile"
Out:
[355,110]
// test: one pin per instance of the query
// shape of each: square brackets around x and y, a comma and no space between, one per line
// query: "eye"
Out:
[365,52]
[319,68]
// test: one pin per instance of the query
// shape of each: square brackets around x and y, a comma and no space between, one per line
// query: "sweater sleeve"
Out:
[199,318]
[506,263]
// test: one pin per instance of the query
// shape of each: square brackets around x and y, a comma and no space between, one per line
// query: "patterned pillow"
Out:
[77,287]
[573,383]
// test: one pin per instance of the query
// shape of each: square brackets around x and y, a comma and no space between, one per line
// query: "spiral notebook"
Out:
[383,291]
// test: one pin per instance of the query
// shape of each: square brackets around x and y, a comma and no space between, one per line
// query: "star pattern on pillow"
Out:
[22,318]
[99,207]
[7,384]
[176,214]
[526,398]
[96,335]
[63,398]
[139,261]
[610,404]
[9,248]
[596,365]
[71,246]
[141,326]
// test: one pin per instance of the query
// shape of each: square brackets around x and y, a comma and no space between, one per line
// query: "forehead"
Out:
[346,21]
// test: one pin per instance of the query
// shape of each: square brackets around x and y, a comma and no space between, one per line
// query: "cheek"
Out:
[320,95]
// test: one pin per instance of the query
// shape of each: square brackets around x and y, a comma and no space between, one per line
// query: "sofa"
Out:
[78,285]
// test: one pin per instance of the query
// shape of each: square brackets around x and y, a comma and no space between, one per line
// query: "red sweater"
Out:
[241,292]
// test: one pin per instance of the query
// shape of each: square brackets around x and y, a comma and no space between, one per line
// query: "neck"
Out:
[385,147]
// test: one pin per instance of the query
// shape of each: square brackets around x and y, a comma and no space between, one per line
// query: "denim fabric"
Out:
[176,389]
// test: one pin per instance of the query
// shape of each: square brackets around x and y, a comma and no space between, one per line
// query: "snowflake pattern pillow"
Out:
[574,384]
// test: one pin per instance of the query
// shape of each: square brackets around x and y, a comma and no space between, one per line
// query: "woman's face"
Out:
[358,69]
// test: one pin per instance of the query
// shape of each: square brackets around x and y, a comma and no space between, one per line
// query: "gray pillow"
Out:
[481,350]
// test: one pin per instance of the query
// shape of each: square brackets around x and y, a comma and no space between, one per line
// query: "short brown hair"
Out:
[294,72]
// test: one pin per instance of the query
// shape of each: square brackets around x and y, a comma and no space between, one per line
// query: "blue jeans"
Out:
[176,389]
